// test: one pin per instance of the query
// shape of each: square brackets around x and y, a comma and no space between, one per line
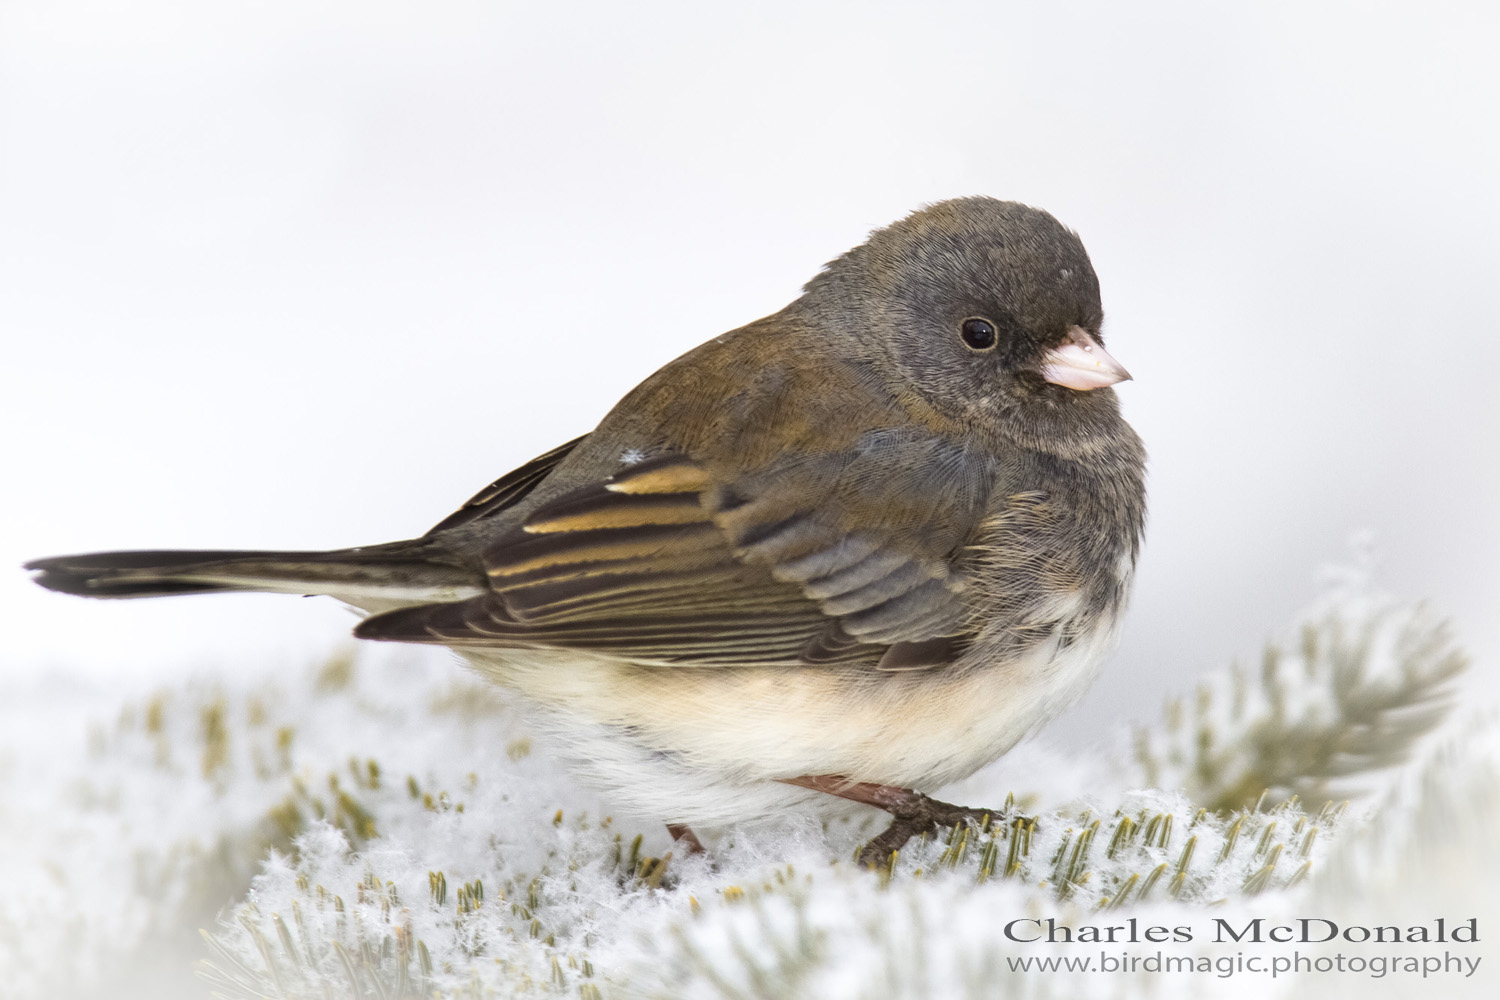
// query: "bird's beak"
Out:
[1081,363]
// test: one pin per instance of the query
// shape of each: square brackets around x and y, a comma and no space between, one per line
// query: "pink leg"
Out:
[684,835]
[912,812]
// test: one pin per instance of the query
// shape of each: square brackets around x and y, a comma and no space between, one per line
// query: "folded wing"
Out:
[668,563]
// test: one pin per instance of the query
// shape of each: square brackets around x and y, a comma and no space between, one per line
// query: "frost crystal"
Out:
[382,827]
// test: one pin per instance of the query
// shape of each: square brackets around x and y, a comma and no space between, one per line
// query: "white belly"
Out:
[704,745]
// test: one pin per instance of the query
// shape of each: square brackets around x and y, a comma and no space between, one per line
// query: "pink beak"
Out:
[1081,363]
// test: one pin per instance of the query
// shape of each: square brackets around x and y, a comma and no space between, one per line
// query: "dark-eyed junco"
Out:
[860,546]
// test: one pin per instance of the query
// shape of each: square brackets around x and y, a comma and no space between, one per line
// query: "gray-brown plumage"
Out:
[878,535]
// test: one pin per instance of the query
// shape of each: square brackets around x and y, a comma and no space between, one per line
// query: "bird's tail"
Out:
[406,572]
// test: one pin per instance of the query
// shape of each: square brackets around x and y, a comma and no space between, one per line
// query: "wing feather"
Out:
[668,563]
[509,490]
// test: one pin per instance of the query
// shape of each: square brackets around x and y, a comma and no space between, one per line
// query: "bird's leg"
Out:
[684,835]
[912,812]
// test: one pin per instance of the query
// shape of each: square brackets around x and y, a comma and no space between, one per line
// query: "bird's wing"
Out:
[830,559]
[508,490]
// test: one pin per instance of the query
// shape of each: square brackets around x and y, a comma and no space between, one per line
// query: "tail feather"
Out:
[400,572]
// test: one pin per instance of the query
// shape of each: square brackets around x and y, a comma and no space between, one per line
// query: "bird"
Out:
[854,550]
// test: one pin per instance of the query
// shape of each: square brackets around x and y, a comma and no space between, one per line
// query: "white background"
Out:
[308,274]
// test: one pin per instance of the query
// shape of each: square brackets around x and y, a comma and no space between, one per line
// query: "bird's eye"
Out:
[978,333]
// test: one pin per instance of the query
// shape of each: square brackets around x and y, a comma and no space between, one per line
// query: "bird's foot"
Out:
[685,838]
[913,814]
[920,815]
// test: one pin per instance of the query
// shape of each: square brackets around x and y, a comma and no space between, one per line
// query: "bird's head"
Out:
[988,309]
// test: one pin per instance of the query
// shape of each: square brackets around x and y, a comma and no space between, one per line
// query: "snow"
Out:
[388,822]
